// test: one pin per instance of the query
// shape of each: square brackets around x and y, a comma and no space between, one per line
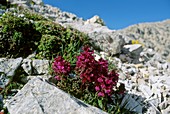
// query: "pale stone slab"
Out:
[40,97]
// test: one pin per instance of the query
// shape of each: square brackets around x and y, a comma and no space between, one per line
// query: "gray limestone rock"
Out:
[151,110]
[27,78]
[40,97]
[36,66]
[131,53]
[40,66]
[108,41]
[164,105]
[8,68]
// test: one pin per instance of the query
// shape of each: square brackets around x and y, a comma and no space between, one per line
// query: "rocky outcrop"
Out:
[108,41]
[95,19]
[40,97]
[103,37]
[153,35]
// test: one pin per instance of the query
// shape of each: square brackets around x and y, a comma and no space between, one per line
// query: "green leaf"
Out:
[100,103]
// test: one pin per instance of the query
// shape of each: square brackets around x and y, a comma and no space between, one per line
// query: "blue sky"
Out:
[117,14]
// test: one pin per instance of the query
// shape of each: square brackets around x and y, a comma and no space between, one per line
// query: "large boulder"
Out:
[40,97]
[108,41]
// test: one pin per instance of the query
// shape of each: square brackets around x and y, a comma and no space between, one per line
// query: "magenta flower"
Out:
[103,86]
[96,72]
[57,78]
[108,81]
[97,88]
[101,94]
[61,67]
[100,80]
[86,66]
[107,91]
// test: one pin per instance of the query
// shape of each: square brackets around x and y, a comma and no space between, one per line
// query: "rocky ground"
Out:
[144,67]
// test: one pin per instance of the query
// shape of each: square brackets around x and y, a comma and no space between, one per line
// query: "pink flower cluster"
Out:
[90,71]
[96,72]
[61,67]
[86,66]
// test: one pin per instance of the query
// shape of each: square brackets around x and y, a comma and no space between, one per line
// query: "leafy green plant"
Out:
[57,40]
[23,32]
[18,36]
[49,47]
[3,7]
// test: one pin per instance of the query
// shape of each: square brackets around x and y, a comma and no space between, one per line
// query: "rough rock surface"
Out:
[153,35]
[40,66]
[108,41]
[35,67]
[40,97]
[8,68]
